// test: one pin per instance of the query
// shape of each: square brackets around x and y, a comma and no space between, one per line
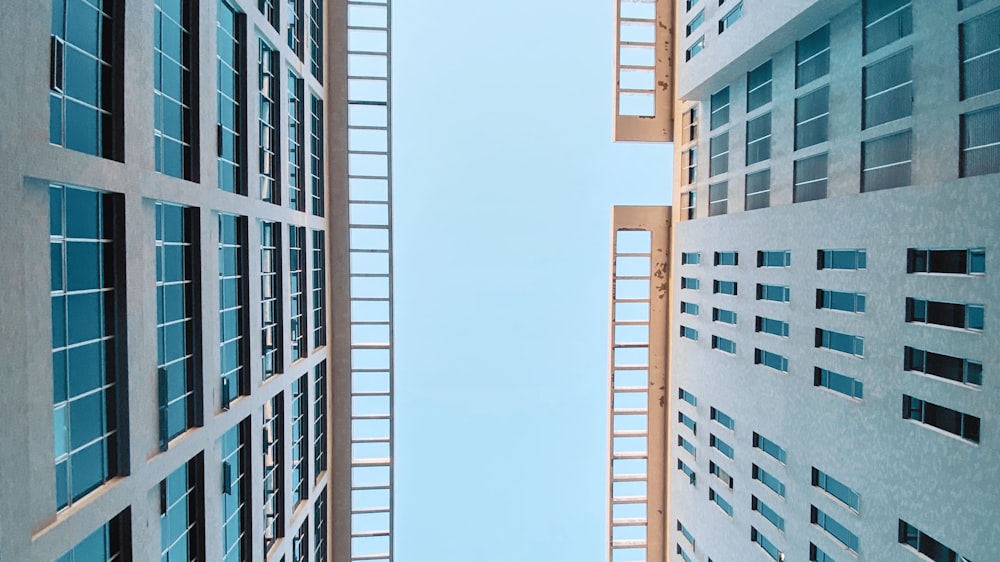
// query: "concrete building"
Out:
[208,373]
[833,280]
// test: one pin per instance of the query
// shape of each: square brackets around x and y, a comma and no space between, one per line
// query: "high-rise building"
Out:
[208,373]
[833,279]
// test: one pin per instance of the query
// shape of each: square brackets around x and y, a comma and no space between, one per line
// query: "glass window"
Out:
[954,315]
[85,347]
[838,341]
[962,261]
[719,155]
[317,149]
[319,288]
[685,420]
[270,298]
[812,56]
[692,477]
[768,479]
[724,316]
[319,525]
[770,514]
[296,27]
[695,23]
[724,287]
[690,258]
[270,11]
[764,543]
[945,366]
[690,283]
[848,386]
[885,162]
[943,418]
[772,326]
[887,89]
[175,321]
[718,500]
[231,110]
[979,46]
[687,397]
[720,445]
[296,138]
[174,113]
[721,474]
[687,534]
[689,202]
[980,142]
[689,333]
[769,359]
[835,528]
[810,179]
[683,554]
[316,38]
[720,108]
[723,344]
[759,86]
[758,190]
[695,48]
[690,157]
[774,293]
[180,538]
[233,345]
[267,79]
[836,488]
[723,419]
[759,139]
[319,419]
[83,84]
[235,491]
[924,543]
[817,555]
[718,198]
[297,281]
[109,543]
[273,472]
[731,18]
[769,447]
[774,258]
[886,21]
[812,116]
[841,259]
[689,124]
[689,308]
[838,300]
[686,445]
[300,439]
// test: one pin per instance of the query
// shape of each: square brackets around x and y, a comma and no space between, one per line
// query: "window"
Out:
[886,21]
[689,124]
[945,419]
[718,198]
[758,190]
[730,18]
[319,527]
[300,439]
[961,261]
[689,333]
[295,26]
[832,526]
[691,167]
[724,316]
[296,138]
[817,555]
[924,544]
[720,445]
[765,544]
[841,259]
[686,445]
[963,4]
[689,204]
[886,162]
[687,534]
[695,48]
[812,56]
[769,447]
[689,308]
[695,23]
[181,514]
[319,419]
[721,474]
[111,542]
[685,420]
[233,320]
[176,332]
[317,149]
[759,139]
[771,326]
[720,108]
[174,114]
[724,287]
[270,11]
[84,238]
[774,293]
[772,516]
[267,77]
[836,488]
[718,162]
[235,493]
[723,419]
[770,359]
[297,279]
[812,117]
[690,258]
[690,4]
[300,543]
[319,288]
[684,555]
[980,142]
[774,258]
[940,365]
[692,477]
[887,89]
[848,386]
[837,341]
[230,92]
[690,283]
[273,472]
[85,85]
[810,179]
[316,39]
[968,316]
[767,479]
[270,297]
[726,258]
[687,397]
[724,345]
[718,500]
[837,300]
[759,86]
[979,45]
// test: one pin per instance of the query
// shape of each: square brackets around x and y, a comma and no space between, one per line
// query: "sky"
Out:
[504,178]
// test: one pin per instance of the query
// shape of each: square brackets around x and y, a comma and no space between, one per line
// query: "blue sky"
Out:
[505,174]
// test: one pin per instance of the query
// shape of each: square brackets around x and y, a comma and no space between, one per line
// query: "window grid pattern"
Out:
[812,56]
[300,543]
[270,297]
[316,39]
[232,307]
[179,515]
[980,142]
[319,419]
[979,44]
[886,162]
[297,281]
[319,522]
[81,76]
[229,96]
[267,120]
[317,151]
[318,288]
[885,22]
[296,139]
[173,88]
[104,544]
[84,346]
[296,26]
[235,492]
[269,10]
[273,472]
[300,440]
[887,89]
[175,324]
